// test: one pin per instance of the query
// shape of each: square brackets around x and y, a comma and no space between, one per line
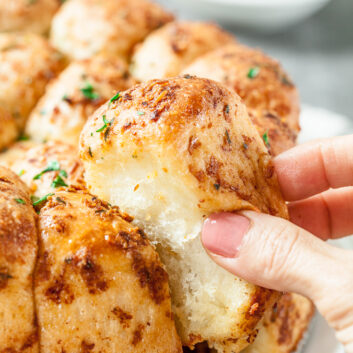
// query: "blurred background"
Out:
[313,39]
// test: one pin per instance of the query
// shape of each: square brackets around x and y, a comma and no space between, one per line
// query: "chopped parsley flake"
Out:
[21,201]
[227,109]
[90,152]
[52,167]
[228,138]
[265,138]
[217,186]
[106,124]
[21,172]
[58,181]
[253,72]
[140,113]
[116,97]
[245,146]
[88,92]
[36,201]
[23,138]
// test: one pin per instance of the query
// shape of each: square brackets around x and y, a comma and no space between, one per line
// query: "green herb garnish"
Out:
[227,109]
[23,137]
[140,113]
[116,97]
[217,186]
[106,124]
[253,72]
[21,201]
[36,201]
[52,167]
[21,172]
[88,92]
[265,138]
[58,181]
[228,138]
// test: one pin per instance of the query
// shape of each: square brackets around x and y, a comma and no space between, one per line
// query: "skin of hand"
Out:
[316,179]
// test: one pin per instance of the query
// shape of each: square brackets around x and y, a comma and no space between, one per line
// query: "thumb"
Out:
[274,253]
[270,252]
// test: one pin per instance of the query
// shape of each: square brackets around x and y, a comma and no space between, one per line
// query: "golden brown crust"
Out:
[32,165]
[83,28]
[166,51]
[18,250]
[27,16]
[99,280]
[8,129]
[15,152]
[70,99]
[260,81]
[27,64]
[199,120]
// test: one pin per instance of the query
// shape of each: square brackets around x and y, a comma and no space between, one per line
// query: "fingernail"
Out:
[223,233]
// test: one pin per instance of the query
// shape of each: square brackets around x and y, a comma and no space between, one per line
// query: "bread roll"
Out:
[99,286]
[18,251]
[268,93]
[15,152]
[284,329]
[83,28]
[173,152]
[27,63]
[166,51]
[71,98]
[27,15]
[8,129]
[46,167]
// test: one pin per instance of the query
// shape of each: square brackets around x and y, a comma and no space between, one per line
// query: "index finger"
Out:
[312,168]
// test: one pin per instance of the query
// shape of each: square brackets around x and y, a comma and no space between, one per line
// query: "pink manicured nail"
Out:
[222,233]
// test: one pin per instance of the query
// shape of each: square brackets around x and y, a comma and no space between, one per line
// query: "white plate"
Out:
[320,123]
[264,15]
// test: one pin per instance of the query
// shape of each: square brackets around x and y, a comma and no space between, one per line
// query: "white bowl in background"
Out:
[264,15]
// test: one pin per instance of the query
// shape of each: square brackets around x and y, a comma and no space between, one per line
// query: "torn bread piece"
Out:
[173,152]
[18,251]
[99,284]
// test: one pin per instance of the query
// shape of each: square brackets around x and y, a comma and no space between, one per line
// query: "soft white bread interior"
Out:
[266,89]
[71,98]
[27,64]
[99,283]
[166,51]
[18,252]
[84,28]
[48,166]
[173,152]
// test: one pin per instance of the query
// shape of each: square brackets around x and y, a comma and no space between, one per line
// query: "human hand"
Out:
[274,253]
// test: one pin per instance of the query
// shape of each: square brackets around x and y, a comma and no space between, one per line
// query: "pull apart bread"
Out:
[267,91]
[173,152]
[18,251]
[27,64]
[71,98]
[27,16]
[48,166]
[168,50]
[99,283]
[84,28]
[8,129]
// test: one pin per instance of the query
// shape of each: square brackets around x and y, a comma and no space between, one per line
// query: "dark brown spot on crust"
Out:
[60,292]
[93,276]
[4,277]
[137,335]
[194,143]
[124,317]
[86,347]
[151,275]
